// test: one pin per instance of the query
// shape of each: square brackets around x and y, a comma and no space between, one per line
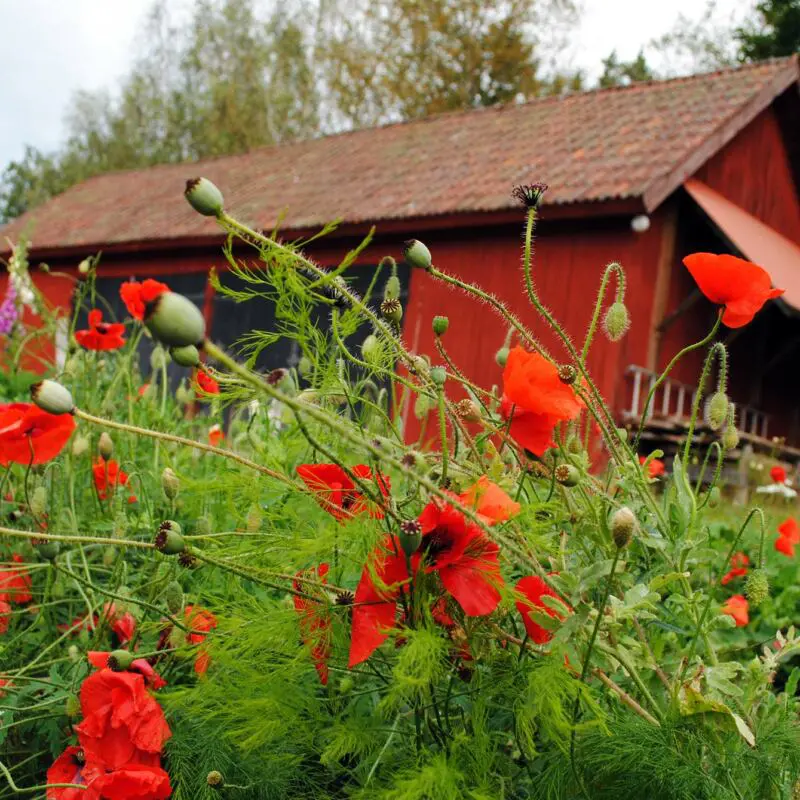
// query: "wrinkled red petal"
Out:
[490,501]
[533,588]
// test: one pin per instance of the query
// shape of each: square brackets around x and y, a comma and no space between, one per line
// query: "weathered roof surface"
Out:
[636,142]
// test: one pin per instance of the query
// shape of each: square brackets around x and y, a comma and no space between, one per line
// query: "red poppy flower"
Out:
[142,666]
[315,624]
[337,494]
[134,782]
[15,583]
[5,615]
[201,621]
[489,501]
[741,286]
[739,564]
[737,607]
[465,559]
[101,335]
[533,589]
[215,435]
[778,474]
[535,399]
[142,390]
[136,295]
[383,580]
[122,722]
[788,537]
[29,435]
[655,469]
[108,475]
[71,767]
[204,383]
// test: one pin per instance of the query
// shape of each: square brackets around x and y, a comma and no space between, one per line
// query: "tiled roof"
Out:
[589,147]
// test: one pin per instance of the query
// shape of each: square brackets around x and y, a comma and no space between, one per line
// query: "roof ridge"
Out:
[497,108]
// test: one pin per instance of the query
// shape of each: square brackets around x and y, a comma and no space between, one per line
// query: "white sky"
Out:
[51,48]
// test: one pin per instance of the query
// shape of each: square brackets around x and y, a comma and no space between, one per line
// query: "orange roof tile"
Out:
[636,142]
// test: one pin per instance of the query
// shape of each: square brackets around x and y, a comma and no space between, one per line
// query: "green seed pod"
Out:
[392,289]
[501,356]
[730,438]
[567,475]
[175,320]
[717,410]
[215,780]
[392,310]
[173,598]
[120,660]
[170,483]
[438,375]
[39,501]
[72,707]
[204,197]
[468,410]
[105,446]
[623,524]
[440,325]
[410,536]
[417,254]
[52,397]
[48,550]
[169,538]
[756,588]
[188,356]
[110,555]
[616,321]
[184,395]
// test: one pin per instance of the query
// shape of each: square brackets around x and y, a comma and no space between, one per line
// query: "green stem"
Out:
[613,268]
[443,437]
[698,396]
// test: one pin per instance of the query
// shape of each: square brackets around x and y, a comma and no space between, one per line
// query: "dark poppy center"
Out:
[349,500]
[102,328]
[438,541]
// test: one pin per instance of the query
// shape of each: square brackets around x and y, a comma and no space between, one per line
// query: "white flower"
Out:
[778,488]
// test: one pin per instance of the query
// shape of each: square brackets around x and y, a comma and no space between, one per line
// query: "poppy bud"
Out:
[173,597]
[567,373]
[440,325]
[501,356]
[169,538]
[438,375]
[120,660]
[170,483]
[304,366]
[410,536]
[158,358]
[616,321]
[85,267]
[46,549]
[623,524]
[417,255]
[72,707]
[175,320]
[204,197]
[392,289]
[730,438]
[52,397]
[105,446]
[714,497]
[422,406]
[253,520]
[567,475]
[756,588]
[202,526]
[80,444]
[392,310]
[188,356]
[717,410]
[468,410]
[39,501]
[371,349]
[215,780]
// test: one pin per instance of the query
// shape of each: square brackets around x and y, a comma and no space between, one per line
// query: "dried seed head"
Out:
[344,598]
[411,458]
[187,560]
[529,195]
[567,475]
[174,320]
[468,410]
[417,254]
[616,321]
[757,587]
[623,525]
[204,197]
[392,310]
[277,376]
[169,538]
[440,325]
[52,397]
[567,373]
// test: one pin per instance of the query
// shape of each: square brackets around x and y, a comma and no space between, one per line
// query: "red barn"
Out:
[711,161]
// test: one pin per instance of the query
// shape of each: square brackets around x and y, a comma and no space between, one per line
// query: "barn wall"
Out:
[754,172]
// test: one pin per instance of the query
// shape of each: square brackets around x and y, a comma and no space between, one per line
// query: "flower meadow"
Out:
[261,585]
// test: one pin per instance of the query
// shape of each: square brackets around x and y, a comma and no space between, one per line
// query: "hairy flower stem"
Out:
[443,437]
[54,537]
[612,269]
[715,351]
[170,437]
[35,789]
[665,374]
[625,697]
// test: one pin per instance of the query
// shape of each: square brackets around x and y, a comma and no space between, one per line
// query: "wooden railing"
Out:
[672,403]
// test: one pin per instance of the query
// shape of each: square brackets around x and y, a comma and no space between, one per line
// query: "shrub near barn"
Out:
[256,586]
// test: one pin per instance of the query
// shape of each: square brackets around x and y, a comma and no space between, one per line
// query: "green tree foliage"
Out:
[774,32]
[622,73]
[232,75]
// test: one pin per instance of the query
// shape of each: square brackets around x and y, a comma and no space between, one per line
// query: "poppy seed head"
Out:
[530,195]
